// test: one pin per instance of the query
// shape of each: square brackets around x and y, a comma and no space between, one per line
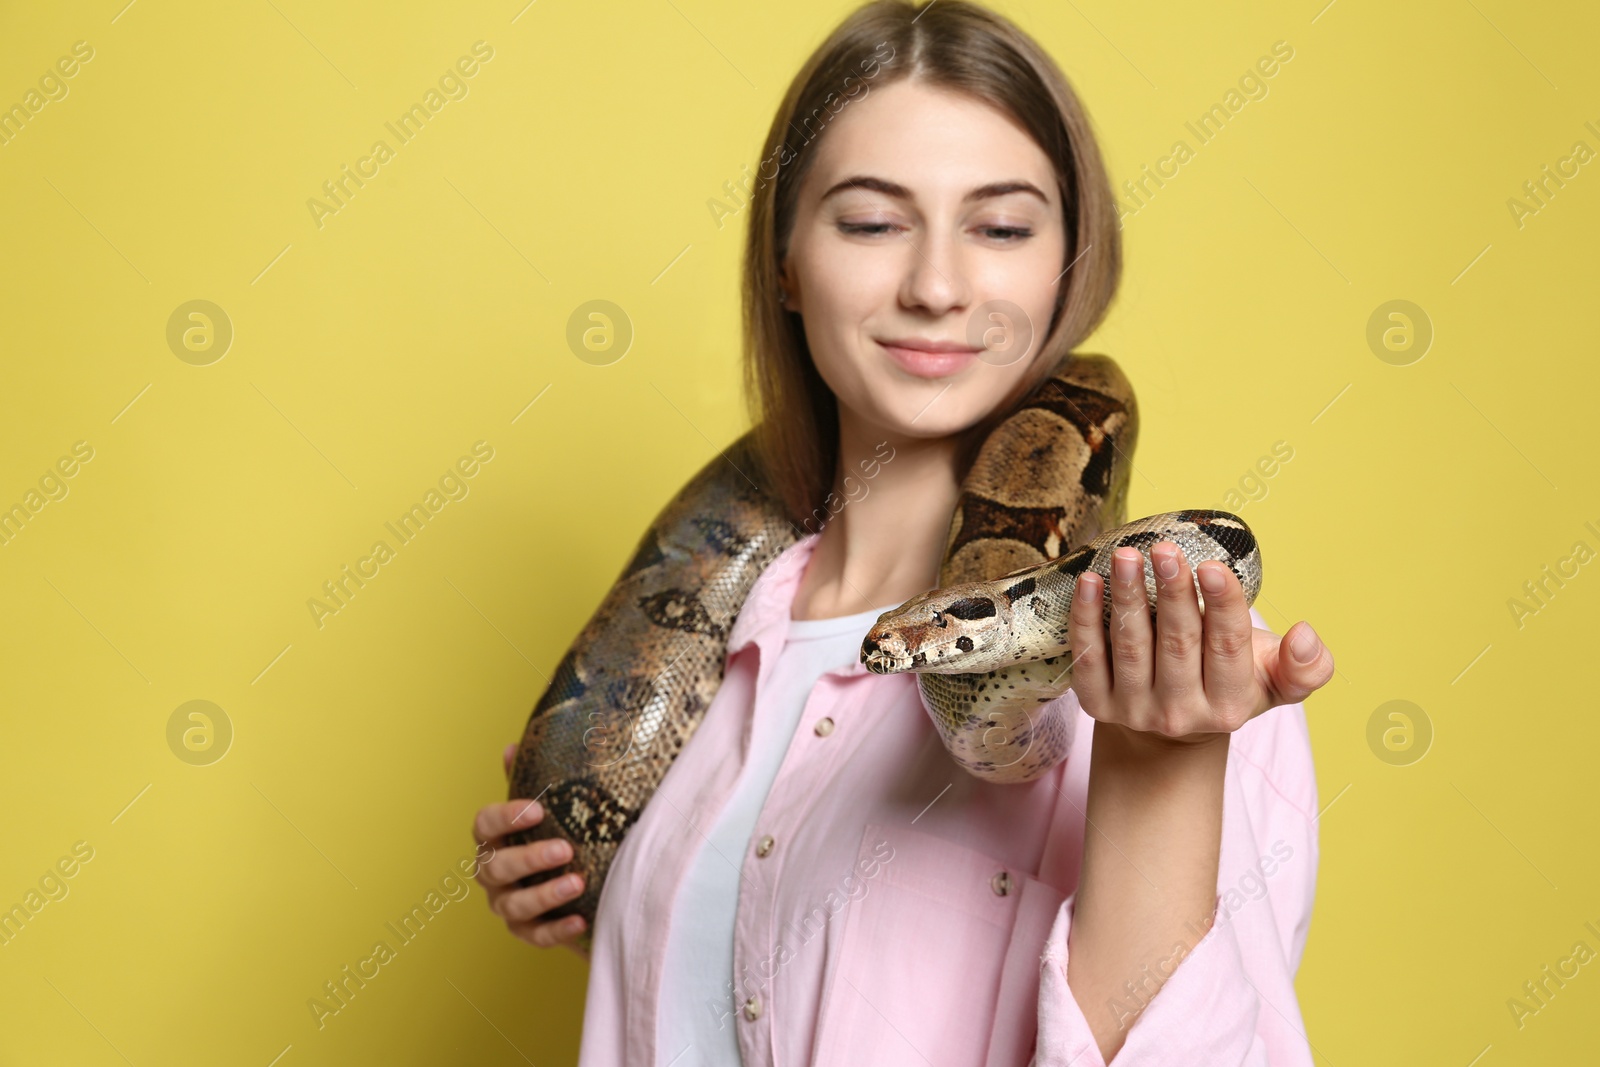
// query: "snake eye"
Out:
[938,618]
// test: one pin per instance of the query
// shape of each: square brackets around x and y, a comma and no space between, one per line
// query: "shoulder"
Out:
[1098,375]
[1095,369]
[1098,398]
[1274,752]
[1274,749]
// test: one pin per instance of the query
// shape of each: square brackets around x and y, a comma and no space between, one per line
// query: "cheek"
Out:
[1027,279]
[846,294]
[849,293]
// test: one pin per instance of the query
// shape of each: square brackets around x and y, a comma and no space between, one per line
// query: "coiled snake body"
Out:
[989,646]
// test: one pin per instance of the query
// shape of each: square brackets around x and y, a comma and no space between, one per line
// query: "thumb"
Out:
[1304,665]
[510,754]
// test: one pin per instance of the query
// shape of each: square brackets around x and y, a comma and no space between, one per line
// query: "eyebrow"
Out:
[900,192]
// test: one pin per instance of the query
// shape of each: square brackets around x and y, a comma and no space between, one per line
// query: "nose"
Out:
[886,648]
[935,274]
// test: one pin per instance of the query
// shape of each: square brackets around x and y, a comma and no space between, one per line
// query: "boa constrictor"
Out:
[989,645]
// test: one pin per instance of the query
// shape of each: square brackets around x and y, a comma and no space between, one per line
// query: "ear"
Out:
[789,285]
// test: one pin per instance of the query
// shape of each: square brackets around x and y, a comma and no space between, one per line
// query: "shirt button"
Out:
[752,1009]
[763,847]
[1001,883]
[824,727]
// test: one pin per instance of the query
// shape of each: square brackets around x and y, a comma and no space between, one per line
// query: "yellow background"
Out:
[429,312]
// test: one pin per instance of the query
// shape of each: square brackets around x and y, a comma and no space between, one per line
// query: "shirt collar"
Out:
[764,619]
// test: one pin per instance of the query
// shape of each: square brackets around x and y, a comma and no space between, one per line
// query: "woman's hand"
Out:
[521,907]
[1184,677]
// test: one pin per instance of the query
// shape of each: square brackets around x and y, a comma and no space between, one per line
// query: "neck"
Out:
[886,542]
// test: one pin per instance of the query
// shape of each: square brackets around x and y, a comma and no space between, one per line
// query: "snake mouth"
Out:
[892,653]
[881,664]
[879,661]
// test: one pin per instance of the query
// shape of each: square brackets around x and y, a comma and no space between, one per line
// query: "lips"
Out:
[929,359]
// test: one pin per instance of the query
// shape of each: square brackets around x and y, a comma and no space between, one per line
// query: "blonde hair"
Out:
[951,44]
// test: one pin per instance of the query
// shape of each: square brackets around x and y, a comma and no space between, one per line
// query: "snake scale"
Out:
[989,645]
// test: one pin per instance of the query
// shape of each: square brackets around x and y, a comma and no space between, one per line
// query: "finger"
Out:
[1086,630]
[524,905]
[509,864]
[511,752]
[1303,666]
[549,934]
[1229,643]
[494,821]
[1178,685]
[1130,629]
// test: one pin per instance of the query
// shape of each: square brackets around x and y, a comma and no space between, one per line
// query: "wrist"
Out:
[1126,742]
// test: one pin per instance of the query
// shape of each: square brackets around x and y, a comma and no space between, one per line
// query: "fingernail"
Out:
[1212,580]
[571,885]
[557,852]
[574,924]
[1166,563]
[1303,646]
[1126,566]
[530,814]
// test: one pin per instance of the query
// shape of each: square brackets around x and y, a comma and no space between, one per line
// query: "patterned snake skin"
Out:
[989,652]
[636,682]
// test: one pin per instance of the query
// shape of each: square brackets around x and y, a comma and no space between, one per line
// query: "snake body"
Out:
[636,681]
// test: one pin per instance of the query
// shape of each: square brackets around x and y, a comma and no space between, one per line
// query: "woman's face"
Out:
[927,247]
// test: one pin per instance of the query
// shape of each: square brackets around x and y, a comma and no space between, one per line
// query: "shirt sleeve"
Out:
[1229,997]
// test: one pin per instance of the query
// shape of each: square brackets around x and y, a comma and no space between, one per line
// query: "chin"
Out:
[934,415]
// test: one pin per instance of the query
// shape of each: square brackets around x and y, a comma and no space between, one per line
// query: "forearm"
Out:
[1147,890]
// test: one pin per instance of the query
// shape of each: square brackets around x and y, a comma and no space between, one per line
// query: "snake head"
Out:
[958,630]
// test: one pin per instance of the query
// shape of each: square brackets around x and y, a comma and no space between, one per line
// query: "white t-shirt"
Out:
[696,1018]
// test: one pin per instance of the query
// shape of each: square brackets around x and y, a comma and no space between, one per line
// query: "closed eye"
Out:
[870,229]
[1007,234]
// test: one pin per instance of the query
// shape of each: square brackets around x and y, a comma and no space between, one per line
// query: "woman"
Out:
[816,879]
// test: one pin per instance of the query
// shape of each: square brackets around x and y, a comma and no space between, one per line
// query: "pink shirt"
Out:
[906,912]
